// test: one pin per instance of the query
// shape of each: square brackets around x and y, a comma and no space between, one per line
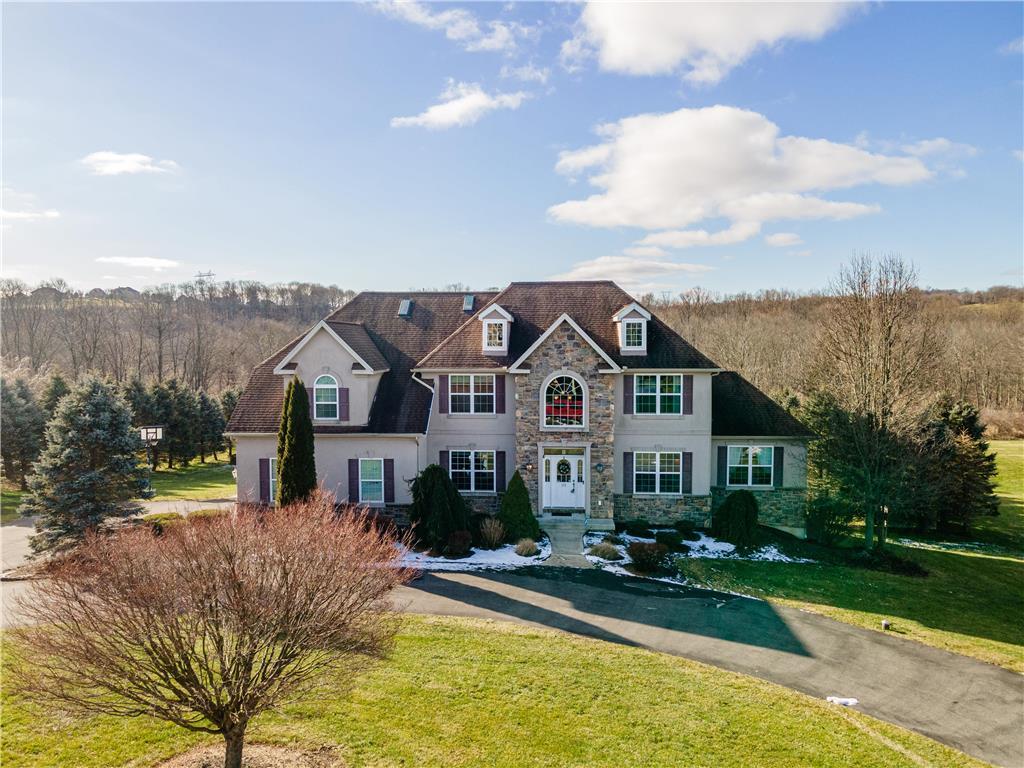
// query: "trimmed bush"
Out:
[438,509]
[459,544]
[672,540]
[527,548]
[605,551]
[516,514]
[492,533]
[640,528]
[828,519]
[647,557]
[687,530]
[736,520]
[613,538]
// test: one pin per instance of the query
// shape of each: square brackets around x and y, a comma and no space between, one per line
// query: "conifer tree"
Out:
[516,514]
[21,430]
[296,461]
[211,427]
[56,388]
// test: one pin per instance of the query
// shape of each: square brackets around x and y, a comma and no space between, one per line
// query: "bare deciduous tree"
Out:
[216,620]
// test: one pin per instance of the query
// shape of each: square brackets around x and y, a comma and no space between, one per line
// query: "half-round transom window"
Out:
[563,403]
[325,398]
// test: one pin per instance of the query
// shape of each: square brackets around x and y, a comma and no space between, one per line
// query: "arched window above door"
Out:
[565,403]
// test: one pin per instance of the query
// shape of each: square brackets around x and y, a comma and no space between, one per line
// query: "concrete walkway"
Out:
[566,537]
[972,706]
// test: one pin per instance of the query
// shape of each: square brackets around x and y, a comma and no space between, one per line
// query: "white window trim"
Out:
[374,502]
[750,468]
[273,481]
[658,474]
[657,395]
[503,347]
[643,334]
[472,471]
[337,398]
[544,402]
[472,395]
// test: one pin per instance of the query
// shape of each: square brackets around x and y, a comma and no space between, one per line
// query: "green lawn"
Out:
[208,481]
[970,603]
[10,499]
[460,692]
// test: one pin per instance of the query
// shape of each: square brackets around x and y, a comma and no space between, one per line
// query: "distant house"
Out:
[604,410]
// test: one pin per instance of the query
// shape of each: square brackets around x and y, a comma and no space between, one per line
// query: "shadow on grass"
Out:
[197,481]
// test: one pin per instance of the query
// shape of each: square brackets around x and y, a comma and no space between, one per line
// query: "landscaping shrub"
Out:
[687,529]
[527,548]
[516,514]
[828,519]
[736,520]
[613,538]
[672,540]
[647,557]
[605,551]
[640,528]
[438,509]
[459,544]
[492,533]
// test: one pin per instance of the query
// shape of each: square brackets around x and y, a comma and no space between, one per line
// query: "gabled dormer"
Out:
[631,322]
[495,325]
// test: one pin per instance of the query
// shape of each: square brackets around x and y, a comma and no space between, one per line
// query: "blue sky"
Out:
[398,146]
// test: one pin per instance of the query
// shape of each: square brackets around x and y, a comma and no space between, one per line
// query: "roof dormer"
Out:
[494,330]
[632,322]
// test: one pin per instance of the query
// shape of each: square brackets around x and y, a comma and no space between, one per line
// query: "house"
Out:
[606,412]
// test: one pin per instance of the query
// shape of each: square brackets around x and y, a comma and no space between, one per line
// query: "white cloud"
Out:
[671,171]
[527,73]
[22,206]
[703,41]
[1019,154]
[143,262]
[635,273]
[939,146]
[461,104]
[461,26]
[109,163]
[1012,47]
[28,215]
[645,251]
[800,254]
[783,239]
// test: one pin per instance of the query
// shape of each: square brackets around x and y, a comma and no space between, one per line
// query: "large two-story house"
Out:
[605,411]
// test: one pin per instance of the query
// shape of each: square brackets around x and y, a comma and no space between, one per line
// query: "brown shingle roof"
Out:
[739,409]
[401,404]
[592,304]
[356,336]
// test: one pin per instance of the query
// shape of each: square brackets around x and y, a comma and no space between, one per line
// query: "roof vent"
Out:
[467,302]
[405,308]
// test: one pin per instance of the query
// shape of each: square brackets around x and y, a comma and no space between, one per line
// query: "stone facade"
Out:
[664,509]
[784,508]
[483,504]
[565,351]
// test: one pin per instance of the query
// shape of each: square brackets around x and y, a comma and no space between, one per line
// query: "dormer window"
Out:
[495,326]
[634,333]
[632,322]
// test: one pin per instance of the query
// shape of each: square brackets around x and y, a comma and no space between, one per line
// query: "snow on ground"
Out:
[958,546]
[502,558]
[706,547]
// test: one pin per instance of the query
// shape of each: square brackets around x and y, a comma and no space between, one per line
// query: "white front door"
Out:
[565,479]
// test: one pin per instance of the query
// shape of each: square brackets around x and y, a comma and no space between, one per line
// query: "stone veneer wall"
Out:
[565,350]
[776,507]
[664,509]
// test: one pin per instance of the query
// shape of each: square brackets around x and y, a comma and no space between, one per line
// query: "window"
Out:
[471,394]
[325,398]
[655,472]
[273,481]
[494,334]
[633,332]
[661,393]
[371,481]
[750,465]
[472,471]
[563,403]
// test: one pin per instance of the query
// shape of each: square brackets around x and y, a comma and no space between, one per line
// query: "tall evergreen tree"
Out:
[296,461]
[228,401]
[56,388]
[138,399]
[22,422]
[211,427]
[89,470]
[160,403]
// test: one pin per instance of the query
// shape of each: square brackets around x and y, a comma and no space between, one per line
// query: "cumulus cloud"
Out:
[461,26]
[461,104]
[107,163]
[703,41]
[528,73]
[782,239]
[668,172]
[635,273]
[22,207]
[939,146]
[143,262]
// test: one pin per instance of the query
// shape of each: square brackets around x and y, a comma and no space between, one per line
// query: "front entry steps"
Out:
[566,536]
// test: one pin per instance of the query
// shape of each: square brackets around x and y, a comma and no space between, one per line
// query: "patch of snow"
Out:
[706,547]
[843,701]
[957,546]
[503,558]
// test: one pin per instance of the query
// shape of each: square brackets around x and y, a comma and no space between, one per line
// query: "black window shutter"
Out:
[389,481]
[777,461]
[353,481]
[444,460]
[627,394]
[265,481]
[499,393]
[687,395]
[687,484]
[343,403]
[723,464]
[627,472]
[442,395]
[499,470]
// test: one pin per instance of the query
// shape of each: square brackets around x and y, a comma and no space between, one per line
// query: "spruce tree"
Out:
[56,388]
[228,401]
[438,509]
[296,462]
[211,427]
[90,468]
[23,422]
[516,514]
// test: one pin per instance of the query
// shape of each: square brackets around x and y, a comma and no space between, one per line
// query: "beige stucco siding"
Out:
[332,455]
[323,354]
[697,423]
[466,431]
[794,470]
[695,444]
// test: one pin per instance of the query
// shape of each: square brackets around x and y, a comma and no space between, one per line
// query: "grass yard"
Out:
[970,603]
[10,499]
[206,482]
[460,692]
